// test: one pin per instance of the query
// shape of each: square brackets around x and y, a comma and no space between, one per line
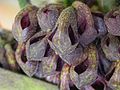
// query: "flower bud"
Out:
[48,15]
[25,24]
[112,21]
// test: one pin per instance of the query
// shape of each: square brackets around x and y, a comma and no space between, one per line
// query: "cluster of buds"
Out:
[71,47]
[7,51]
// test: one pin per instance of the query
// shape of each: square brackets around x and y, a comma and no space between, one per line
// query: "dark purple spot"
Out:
[108,41]
[71,35]
[112,16]
[52,34]
[98,85]
[98,14]
[119,50]
[1,65]
[81,28]
[110,74]
[25,21]
[23,56]
[80,31]
[73,87]
[34,40]
[82,67]
[46,11]
[60,64]
[47,51]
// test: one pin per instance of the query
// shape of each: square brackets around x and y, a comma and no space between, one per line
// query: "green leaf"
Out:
[13,81]
[67,2]
[23,3]
[106,5]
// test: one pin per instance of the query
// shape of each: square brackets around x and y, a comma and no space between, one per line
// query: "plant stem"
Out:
[13,81]
[68,2]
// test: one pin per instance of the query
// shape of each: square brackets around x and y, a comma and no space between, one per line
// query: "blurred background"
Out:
[8,10]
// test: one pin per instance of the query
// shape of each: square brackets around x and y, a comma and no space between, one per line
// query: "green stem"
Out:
[68,2]
[13,81]
[23,3]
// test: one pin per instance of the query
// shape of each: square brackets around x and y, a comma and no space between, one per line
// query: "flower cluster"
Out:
[71,47]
